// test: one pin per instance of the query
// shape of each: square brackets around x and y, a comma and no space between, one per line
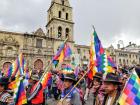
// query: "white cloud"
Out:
[111,18]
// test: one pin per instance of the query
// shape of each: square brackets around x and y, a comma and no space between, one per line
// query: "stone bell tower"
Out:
[60,20]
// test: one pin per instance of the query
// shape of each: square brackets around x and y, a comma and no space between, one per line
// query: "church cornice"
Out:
[58,4]
[22,34]
[82,46]
[62,40]
[65,21]
[7,32]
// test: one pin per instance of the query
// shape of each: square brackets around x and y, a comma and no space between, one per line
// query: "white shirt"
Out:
[109,100]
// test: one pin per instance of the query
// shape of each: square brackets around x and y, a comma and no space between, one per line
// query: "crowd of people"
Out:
[103,89]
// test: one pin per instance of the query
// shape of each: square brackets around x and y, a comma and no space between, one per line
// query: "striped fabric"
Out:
[4,96]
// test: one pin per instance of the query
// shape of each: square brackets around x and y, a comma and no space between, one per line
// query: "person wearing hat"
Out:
[74,97]
[36,91]
[5,97]
[111,87]
[94,96]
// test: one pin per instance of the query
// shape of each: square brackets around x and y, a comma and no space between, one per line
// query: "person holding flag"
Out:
[69,97]
[36,91]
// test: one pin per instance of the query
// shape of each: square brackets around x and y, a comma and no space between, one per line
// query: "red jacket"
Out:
[38,98]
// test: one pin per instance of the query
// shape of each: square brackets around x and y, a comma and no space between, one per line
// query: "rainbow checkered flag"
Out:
[19,94]
[100,60]
[67,69]
[131,92]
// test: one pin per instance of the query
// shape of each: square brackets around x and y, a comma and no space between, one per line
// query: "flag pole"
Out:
[93,27]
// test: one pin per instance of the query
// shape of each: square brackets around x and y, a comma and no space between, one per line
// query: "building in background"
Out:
[39,47]
[129,55]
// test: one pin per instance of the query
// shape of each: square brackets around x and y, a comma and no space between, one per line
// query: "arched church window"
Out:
[48,33]
[6,66]
[67,16]
[59,32]
[38,65]
[63,2]
[59,14]
[51,31]
[67,32]
[9,51]
[49,17]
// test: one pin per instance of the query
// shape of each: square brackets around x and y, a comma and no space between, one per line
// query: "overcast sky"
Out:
[114,20]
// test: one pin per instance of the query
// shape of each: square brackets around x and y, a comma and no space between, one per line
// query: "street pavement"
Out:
[51,101]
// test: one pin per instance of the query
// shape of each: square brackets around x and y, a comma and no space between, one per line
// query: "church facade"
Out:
[39,47]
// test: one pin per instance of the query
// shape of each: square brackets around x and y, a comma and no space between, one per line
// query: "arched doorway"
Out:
[6,65]
[38,65]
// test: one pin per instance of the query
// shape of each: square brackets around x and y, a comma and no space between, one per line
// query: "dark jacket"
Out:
[73,98]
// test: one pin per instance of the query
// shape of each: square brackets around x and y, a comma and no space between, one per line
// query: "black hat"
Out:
[113,78]
[71,77]
[4,81]
[98,75]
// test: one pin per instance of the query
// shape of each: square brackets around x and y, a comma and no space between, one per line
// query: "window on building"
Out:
[79,51]
[51,31]
[67,32]
[59,14]
[39,43]
[49,17]
[48,33]
[123,61]
[63,2]
[59,32]
[136,56]
[9,51]
[67,16]
[84,57]
[127,61]
[120,61]
[130,56]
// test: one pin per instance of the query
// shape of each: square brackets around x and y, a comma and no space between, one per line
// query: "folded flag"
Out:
[67,69]
[110,60]
[76,71]
[19,93]
[27,72]
[13,69]
[63,52]
[21,63]
[18,64]
[45,79]
[92,64]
